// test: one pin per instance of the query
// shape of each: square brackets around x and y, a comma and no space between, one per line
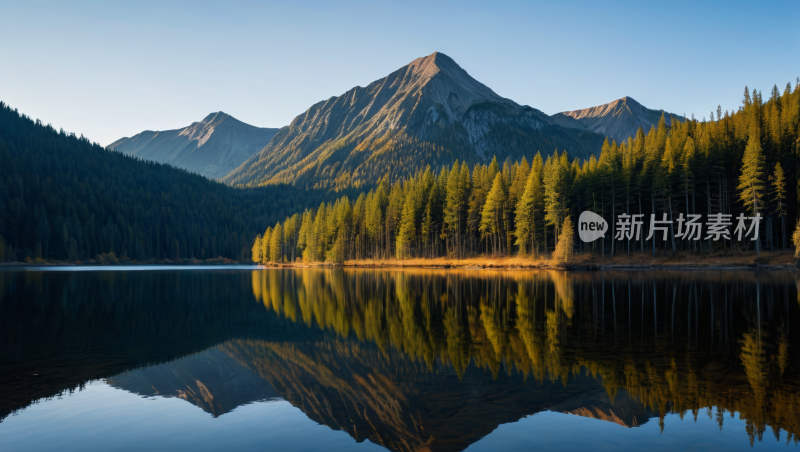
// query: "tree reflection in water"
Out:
[675,341]
[416,359]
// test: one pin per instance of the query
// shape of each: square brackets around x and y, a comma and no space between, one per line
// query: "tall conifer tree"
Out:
[751,181]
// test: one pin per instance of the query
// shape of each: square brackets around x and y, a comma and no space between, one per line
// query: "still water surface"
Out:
[320,359]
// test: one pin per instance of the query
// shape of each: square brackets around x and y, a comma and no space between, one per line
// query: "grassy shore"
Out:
[644,260]
[719,259]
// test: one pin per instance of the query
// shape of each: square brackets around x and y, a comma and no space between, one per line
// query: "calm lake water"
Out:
[331,359]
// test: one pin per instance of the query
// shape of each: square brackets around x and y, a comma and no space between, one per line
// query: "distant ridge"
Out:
[429,112]
[212,147]
[617,120]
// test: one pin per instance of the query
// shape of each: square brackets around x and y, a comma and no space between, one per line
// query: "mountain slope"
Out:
[428,112]
[68,199]
[617,120]
[212,147]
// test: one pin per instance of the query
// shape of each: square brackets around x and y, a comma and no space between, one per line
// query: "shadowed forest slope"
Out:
[63,197]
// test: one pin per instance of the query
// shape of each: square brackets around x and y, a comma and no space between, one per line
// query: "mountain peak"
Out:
[430,111]
[612,108]
[448,84]
[618,119]
[216,117]
[433,63]
[212,147]
[214,114]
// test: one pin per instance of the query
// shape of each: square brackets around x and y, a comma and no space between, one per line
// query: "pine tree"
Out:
[337,253]
[290,232]
[779,199]
[751,181]
[492,214]
[538,231]
[360,226]
[466,188]
[408,231]
[266,241]
[256,250]
[305,236]
[566,243]
[394,212]
[427,231]
[454,208]
[481,184]
[320,238]
[557,185]
[376,202]
[526,213]
[276,244]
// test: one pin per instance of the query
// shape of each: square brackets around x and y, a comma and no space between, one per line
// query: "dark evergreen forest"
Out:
[63,197]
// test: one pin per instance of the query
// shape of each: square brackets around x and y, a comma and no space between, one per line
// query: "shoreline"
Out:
[400,266]
[767,260]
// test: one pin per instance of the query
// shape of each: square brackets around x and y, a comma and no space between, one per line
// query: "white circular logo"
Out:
[591,226]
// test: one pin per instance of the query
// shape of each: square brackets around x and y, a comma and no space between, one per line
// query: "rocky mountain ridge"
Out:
[617,120]
[430,111]
[212,147]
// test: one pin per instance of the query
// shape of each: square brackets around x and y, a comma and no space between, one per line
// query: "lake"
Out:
[369,359]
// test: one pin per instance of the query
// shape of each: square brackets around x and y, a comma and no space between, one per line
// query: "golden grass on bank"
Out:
[635,259]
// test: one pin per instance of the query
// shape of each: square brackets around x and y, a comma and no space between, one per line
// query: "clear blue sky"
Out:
[109,70]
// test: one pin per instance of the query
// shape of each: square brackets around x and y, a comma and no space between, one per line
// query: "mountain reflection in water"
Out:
[415,359]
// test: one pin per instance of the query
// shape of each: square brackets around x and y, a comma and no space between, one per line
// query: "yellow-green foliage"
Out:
[796,240]
[566,243]
[507,208]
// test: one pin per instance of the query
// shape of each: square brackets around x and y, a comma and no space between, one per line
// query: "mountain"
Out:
[428,112]
[388,398]
[623,410]
[212,147]
[617,120]
[209,380]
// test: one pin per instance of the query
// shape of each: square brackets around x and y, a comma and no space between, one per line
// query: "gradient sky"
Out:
[108,70]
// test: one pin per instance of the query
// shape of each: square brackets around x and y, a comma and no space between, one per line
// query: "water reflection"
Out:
[416,359]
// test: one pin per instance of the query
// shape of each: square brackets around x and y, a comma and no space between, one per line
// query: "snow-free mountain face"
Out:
[212,147]
[348,385]
[428,112]
[209,379]
[617,120]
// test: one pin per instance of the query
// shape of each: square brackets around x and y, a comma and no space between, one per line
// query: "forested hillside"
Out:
[63,197]
[745,161]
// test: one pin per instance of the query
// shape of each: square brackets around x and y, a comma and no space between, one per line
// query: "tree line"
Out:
[735,162]
[65,198]
[554,326]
